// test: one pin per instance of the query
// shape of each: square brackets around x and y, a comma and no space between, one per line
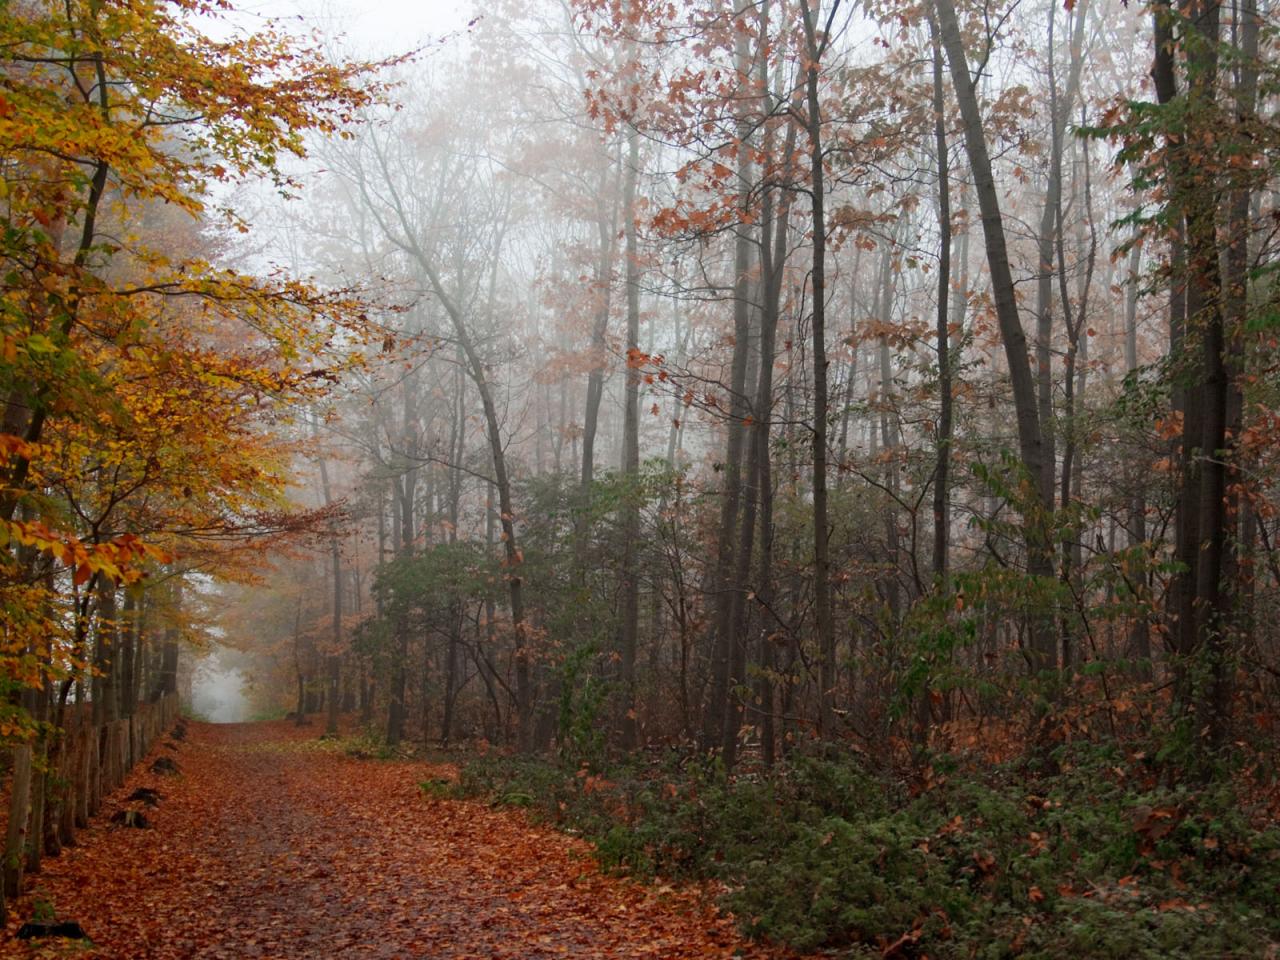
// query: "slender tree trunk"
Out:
[1164,77]
[1140,630]
[1238,575]
[41,780]
[490,605]
[890,437]
[1059,112]
[106,649]
[607,226]
[402,526]
[409,241]
[457,448]
[821,534]
[1074,379]
[167,675]
[631,458]
[1030,439]
[745,548]
[513,557]
[130,632]
[300,715]
[773,243]
[723,586]
[334,660]
[942,327]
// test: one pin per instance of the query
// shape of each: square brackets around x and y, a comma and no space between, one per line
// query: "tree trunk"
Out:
[1030,440]
[630,572]
[1140,630]
[300,714]
[131,632]
[942,328]
[41,778]
[607,228]
[773,252]
[19,813]
[1074,379]
[1238,575]
[722,582]
[490,606]
[1202,534]
[817,279]
[106,650]
[403,522]
[334,660]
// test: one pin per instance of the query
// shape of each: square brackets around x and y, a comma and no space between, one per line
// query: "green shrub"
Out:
[1098,859]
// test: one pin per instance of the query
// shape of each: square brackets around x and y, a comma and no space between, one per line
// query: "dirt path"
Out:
[271,844]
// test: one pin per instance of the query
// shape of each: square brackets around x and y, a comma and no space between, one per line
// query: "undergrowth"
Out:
[1100,859]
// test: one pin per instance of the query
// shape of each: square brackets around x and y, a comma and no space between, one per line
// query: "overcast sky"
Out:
[373,27]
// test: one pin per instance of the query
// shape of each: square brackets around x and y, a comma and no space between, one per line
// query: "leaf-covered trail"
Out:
[272,844]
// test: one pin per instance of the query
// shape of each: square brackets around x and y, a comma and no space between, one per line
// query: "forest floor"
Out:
[271,843]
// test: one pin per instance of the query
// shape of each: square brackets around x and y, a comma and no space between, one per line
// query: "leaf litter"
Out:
[272,845]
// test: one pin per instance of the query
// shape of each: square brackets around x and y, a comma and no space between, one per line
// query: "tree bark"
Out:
[942,325]
[722,585]
[1202,535]
[334,660]
[19,814]
[824,614]
[1042,652]
[773,251]
[631,459]
[1238,575]
[607,228]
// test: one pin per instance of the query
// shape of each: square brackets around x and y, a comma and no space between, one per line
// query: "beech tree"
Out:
[142,378]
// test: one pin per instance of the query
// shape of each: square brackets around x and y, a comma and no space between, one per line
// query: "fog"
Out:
[630,425]
[801,419]
[217,691]
[383,29]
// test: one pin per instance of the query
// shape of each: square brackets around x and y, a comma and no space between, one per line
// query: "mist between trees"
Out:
[768,373]
[727,377]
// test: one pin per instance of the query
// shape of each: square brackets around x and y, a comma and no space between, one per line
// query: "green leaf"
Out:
[38,343]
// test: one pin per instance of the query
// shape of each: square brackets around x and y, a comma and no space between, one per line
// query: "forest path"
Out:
[273,844]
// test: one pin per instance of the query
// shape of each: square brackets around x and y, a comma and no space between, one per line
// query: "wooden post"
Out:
[72,750]
[19,809]
[95,768]
[84,770]
[33,840]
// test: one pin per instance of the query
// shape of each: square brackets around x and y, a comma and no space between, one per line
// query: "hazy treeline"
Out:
[767,371]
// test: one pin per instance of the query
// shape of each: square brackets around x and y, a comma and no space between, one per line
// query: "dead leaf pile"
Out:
[266,847]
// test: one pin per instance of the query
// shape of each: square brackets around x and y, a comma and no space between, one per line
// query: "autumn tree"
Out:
[138,373]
